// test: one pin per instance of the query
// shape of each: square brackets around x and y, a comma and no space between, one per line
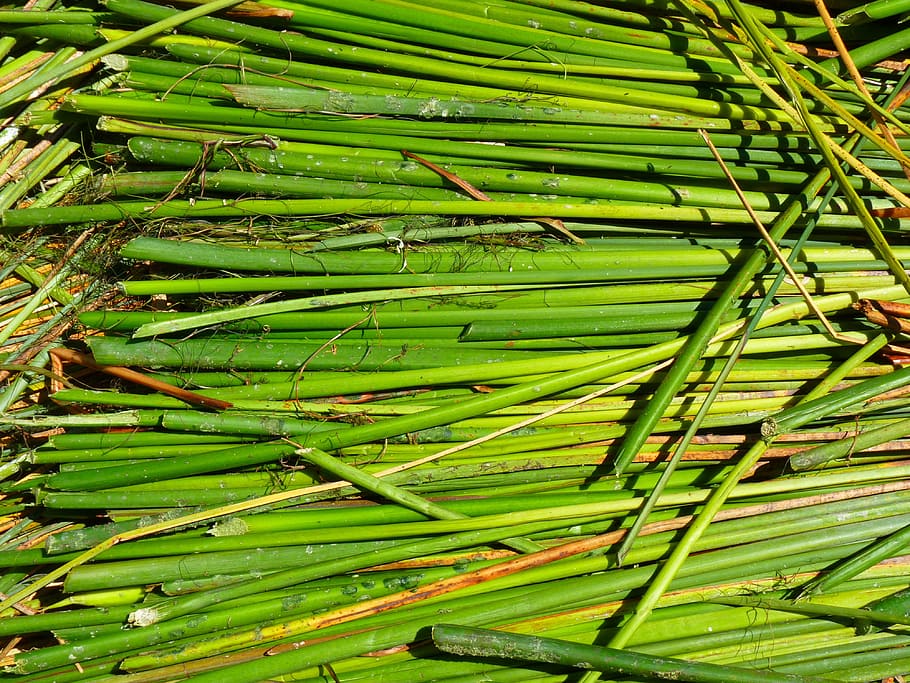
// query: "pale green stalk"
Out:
[74,177]
[310,303]
[14,389]
[645,423]
[879,9]
[839,373]
[810,608]
[248,208]
[40,168]
[880,550]
[698,341]
[395,494]
[721,379]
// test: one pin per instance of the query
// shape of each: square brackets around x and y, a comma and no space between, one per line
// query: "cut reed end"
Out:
[144,616]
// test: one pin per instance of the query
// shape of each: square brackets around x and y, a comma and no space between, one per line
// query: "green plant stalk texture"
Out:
[395,494]
[468,609]
[216,208]
[309,303]
[820,455]
[36,300]
[713,392]
[356,270]
[880,9]
[183,465]
[444,71]
[743,490]
[301,625]
[20,90]
[474,642]
[882,549]
[570,376]
[810,608]
[181,606]
[822,145]
[699,340]
[129,564]
[719,496]
[172,609]
[645,424]
[554,384]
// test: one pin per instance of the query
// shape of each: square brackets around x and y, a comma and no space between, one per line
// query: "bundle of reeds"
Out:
[432,327]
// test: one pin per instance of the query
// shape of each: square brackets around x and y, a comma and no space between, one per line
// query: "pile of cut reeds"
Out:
[454,341]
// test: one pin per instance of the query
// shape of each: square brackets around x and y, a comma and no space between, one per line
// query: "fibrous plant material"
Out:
[396,325]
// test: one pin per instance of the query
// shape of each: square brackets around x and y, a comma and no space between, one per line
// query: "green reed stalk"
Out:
[240,456]
[342,164]
[882,549]
[474,642]
[811,608]
[390,492]
[11,326]
[215,353]
[587,294]
[51,158]
[879,9]
[309,303]
[792,418]
[437,68]
[808,121]
[16,219]
[822,454]
[699,340]
[463,610]
[798,416]
[713,392]
[88,455]
[444,263]
[464,19]
[165,24]
[182,605]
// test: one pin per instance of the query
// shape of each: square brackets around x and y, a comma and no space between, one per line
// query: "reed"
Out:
[397,328]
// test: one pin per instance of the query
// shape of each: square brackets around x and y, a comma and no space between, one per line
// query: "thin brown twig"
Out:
[84,359]
[884,313]
[553,223]
[19,607]
[891,212]
[797,282]
[857,77]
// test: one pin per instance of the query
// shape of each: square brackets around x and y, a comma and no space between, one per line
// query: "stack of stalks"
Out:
[540,318]
[39,167]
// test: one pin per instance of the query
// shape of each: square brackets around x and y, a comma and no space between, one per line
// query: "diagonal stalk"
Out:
[477,642]
[701,523]
[729,364]
[822,144]
[698,341]
[367,481]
